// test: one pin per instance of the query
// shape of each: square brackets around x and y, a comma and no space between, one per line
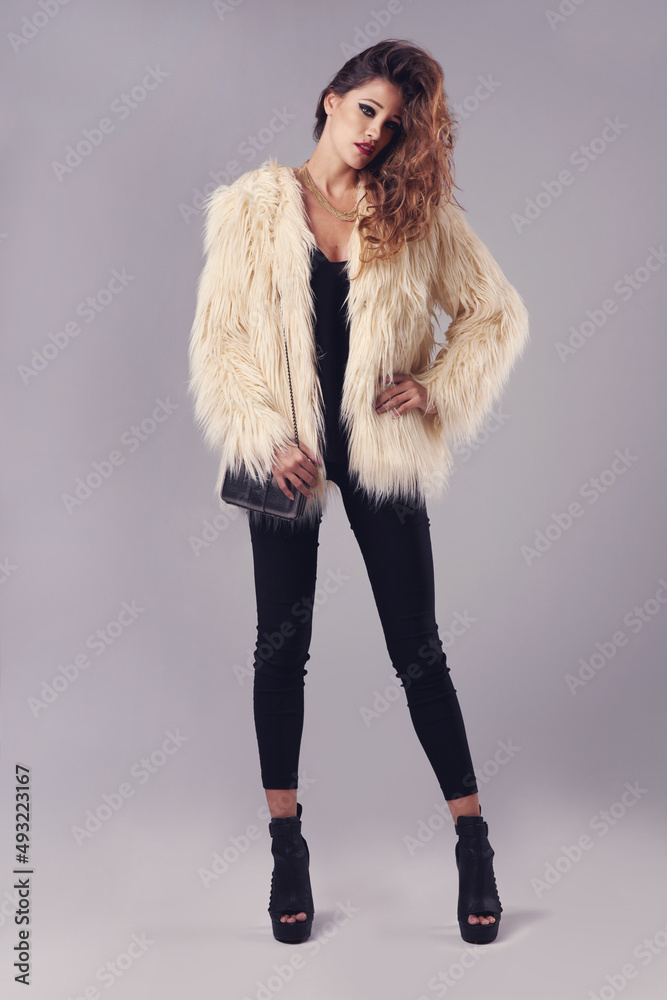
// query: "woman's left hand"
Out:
[405,394]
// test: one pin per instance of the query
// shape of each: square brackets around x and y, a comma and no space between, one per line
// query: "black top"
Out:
[330,285]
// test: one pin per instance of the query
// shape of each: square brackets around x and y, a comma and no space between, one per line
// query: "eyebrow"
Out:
[371,101]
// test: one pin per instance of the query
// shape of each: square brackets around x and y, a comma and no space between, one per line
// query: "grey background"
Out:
[182,663]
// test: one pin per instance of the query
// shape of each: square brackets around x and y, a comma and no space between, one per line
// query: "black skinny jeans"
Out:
[395,543]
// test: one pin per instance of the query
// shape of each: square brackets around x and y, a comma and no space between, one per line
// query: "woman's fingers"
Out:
[301,486]
[395,399]
[299,466]
[412,395]
[301,480]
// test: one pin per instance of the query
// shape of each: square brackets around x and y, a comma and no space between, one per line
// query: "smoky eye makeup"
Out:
[394,125]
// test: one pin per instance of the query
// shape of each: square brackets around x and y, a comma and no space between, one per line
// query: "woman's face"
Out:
[363,121]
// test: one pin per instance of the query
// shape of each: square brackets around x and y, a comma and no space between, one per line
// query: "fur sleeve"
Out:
[232,402]
[487,333]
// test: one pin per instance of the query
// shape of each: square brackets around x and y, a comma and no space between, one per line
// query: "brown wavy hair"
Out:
[415,170]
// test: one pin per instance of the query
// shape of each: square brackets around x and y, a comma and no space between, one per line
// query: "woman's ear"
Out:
[330,102]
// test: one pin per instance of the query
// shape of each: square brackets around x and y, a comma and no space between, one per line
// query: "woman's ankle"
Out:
[466,805]
[281,802]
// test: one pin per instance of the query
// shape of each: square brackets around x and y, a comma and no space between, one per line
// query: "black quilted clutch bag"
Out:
[242,490]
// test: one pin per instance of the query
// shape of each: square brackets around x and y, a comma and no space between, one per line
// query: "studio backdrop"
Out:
[134,847]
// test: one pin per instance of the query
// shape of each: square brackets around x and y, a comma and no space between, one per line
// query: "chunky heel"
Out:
[290,882]
[478,893]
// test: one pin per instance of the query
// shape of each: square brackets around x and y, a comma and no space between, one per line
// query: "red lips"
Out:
[364,147]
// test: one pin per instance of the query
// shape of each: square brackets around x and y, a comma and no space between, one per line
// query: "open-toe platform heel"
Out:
[478,894]
[290,881]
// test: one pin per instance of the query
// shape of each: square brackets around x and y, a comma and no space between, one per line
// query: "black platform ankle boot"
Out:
[478,894]
[290,881]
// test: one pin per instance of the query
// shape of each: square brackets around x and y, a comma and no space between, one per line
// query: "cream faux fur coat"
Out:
[255,283]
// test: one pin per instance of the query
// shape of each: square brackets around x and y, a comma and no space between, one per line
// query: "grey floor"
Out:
[385,924]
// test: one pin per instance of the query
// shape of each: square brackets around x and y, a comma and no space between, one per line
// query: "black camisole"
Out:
[330,285]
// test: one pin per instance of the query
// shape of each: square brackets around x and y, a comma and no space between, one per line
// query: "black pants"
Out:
[395,543]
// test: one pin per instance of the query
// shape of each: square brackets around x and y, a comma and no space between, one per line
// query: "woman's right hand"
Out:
[295,464]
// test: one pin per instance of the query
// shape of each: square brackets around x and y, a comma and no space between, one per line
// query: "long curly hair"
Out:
[409,177]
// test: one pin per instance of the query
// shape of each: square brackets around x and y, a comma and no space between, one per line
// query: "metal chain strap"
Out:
[291,396]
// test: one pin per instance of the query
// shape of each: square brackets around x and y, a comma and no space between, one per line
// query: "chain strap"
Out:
[291,396]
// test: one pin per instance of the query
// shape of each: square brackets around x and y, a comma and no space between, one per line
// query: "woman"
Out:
[350,255]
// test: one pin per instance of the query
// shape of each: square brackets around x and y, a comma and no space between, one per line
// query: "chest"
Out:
[331,234]
[388,302]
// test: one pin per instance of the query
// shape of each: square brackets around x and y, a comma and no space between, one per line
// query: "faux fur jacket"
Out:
[255,283]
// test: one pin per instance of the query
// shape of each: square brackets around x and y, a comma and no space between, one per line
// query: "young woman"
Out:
[349,255]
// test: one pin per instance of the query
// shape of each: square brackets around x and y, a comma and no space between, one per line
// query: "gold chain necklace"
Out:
[304,174]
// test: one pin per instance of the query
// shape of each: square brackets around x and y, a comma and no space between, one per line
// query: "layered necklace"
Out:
[304,174]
